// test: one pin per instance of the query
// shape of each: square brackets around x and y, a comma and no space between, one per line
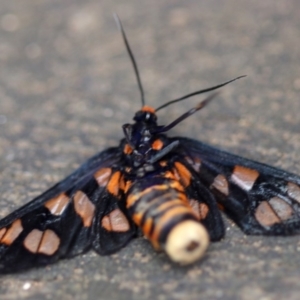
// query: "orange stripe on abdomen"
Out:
[157,209]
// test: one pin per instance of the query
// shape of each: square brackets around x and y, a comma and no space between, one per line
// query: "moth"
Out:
[170,188]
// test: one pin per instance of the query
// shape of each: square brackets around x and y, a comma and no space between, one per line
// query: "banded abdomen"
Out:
[160,207]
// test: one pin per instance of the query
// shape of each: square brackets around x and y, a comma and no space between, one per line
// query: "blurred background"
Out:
[67,86]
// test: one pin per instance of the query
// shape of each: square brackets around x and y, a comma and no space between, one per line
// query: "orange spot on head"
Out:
[157,144]
[148,109]
[127,149]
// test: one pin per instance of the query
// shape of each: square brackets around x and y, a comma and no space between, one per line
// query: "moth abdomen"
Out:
[165,216]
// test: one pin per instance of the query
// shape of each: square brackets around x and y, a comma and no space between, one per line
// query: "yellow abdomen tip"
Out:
[187,242]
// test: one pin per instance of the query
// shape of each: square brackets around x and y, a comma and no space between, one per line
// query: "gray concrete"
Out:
[67,86]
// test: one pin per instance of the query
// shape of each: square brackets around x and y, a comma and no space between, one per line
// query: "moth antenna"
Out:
[187,114]
[198,92]
[136,71]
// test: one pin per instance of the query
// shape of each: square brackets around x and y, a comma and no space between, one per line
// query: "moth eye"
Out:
[157,145]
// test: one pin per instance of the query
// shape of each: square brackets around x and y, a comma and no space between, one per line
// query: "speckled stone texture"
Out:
[67,86]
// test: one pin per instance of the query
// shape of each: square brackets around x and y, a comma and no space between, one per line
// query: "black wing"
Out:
[66,220]
[200,196]
[261,199]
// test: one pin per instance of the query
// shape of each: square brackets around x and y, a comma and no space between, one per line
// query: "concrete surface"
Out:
[67,86]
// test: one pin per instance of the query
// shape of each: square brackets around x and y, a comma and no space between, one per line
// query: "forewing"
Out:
[261,199]
[61,222]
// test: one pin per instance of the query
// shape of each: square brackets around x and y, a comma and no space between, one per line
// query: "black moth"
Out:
[170,188]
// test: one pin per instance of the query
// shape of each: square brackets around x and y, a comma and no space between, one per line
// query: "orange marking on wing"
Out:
[195,163]
[32,240]
[244,177]
[2,232]
[200,209]
[195,207]
[105,223]
[12,232]
[102,176]
[148,109]
[184,173]
[58,204]
[204,210]
[283,210]
[265,215]
[221,184]
[113,184]
[115,221]
[293,191]
[157,144]
[84,208]
[50,243]
[127,149]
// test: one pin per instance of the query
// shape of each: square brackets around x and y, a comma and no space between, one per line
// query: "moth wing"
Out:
[261,199]
[61,222]
[201,198]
